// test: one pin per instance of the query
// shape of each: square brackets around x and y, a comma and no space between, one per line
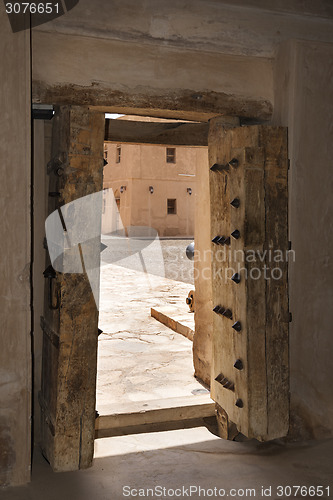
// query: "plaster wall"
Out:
[15,251]
[212,59]
[241,27]
[304,97]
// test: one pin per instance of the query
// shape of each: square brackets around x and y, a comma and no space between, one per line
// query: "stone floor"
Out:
[183,459]
[160,257]
[140,359]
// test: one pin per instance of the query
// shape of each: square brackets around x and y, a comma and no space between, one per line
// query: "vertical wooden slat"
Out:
[277,305]
[259,302]
[69,371]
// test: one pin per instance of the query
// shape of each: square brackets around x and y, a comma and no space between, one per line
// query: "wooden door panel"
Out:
[250,377]
[70,321]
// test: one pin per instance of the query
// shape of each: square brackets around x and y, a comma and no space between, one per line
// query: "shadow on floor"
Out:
[179,460]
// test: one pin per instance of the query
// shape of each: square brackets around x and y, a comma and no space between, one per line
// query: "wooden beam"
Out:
[209,422]
[173,133]
[154,415]
[174,320]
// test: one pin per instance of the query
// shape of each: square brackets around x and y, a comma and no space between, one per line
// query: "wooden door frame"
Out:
[161,113]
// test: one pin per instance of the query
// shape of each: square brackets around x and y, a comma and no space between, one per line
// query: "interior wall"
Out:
[303,102]
[15,251]
[236,27]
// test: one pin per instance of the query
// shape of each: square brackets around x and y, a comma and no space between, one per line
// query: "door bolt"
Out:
[237,326]
[216,240]
[227,314]
[225,382]
[236,278]
[221,240]
[235,203]
[217,167]
[238,364]
[226,241]
[235,234]
[218,310]
[233,163]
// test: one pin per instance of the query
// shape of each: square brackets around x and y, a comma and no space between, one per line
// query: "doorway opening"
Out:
[145,373]
[70,329]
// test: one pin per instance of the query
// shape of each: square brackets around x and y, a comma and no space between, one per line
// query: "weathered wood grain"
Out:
[259,302]
[69,369]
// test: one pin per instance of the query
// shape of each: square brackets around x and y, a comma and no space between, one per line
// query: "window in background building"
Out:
[171,155]
[171,206]
[118,154]
[105,154]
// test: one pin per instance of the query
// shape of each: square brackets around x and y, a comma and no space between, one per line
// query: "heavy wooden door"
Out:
[249,229]
[70,321]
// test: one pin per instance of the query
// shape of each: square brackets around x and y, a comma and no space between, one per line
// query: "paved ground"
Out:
[164,257]
[140,359]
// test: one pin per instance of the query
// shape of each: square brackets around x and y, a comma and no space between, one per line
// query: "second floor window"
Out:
[118,154]
[171,206]
[171,155]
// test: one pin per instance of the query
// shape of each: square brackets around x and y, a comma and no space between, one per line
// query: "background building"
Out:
[151,186]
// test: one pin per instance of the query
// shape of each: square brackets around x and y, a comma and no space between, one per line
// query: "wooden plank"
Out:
[179,104]
[152,413]
[209,422]
[219,151]
[164,315]
[258,302]
[51,334]
[50,354]
[277,305]
[174,133]
[69,371]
